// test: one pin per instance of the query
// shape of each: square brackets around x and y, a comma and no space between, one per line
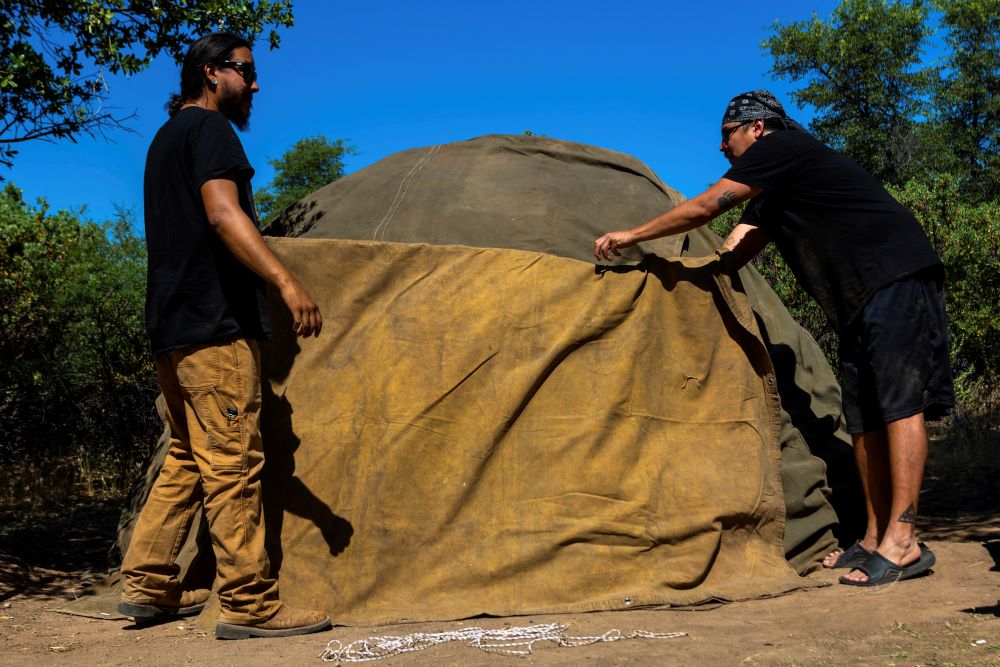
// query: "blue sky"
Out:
[644,77]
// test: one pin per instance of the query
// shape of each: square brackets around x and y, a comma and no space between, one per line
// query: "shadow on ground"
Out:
[56,554]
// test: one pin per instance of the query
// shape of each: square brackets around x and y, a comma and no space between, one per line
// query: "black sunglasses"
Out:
[246,69]
[728,131]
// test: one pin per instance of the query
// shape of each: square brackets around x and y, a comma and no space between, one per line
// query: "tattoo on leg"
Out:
[909,515]
[727,200]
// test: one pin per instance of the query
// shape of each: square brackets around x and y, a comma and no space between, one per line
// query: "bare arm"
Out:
[745,241]
[691,214]
[241,237]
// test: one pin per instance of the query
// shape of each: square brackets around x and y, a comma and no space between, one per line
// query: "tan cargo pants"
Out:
[213,398]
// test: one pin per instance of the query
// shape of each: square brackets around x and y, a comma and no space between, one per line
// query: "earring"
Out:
[215,81]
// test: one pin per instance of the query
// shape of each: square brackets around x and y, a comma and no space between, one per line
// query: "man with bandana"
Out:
[869,265]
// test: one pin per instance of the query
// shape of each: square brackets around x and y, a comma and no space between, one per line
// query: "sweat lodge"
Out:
[491,424]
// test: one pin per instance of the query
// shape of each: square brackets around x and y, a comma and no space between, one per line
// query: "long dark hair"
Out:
[212,48]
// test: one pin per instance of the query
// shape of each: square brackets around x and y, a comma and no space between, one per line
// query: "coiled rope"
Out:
[515,641]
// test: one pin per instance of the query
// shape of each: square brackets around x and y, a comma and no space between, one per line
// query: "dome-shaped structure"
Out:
[490,424]
[521,193]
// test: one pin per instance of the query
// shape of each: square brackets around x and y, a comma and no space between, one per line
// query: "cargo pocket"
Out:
[226,450]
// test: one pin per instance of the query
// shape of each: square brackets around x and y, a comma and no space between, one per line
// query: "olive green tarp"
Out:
[490,424]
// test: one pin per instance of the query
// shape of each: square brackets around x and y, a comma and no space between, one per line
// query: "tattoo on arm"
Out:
[909,515]
[727,200]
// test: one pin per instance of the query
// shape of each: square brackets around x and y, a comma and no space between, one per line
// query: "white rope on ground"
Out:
[515,641]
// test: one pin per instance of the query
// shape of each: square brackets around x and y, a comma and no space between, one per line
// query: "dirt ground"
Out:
[951,617]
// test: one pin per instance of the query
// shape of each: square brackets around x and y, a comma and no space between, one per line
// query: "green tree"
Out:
[967,238]
[307,166]
[876,102]
[966,103]
[55,54]
[76,377]
[860,70]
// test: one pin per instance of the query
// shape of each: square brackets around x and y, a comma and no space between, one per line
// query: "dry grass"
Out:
[964,458]
[42,487]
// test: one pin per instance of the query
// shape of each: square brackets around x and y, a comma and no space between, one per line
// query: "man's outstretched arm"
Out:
[693,213]
[241,237]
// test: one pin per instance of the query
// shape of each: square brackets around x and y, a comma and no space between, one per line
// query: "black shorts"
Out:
[894,356]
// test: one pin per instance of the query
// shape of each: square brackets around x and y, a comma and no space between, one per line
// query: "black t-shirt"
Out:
[196,290]
[840,232]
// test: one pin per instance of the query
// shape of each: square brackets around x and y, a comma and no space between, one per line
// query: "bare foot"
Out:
[831,558]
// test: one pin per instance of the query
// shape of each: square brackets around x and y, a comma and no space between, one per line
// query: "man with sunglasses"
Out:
[205,313]
[869,265]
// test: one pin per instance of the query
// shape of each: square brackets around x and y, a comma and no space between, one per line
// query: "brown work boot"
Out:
[189,603]
[287,622]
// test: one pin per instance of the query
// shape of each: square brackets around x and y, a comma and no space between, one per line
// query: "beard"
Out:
[236,108]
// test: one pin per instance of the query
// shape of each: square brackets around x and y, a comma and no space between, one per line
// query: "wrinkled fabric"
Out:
[556,197]
[470,435]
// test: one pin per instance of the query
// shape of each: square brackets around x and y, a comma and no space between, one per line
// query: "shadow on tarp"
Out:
[846,493]
[284,491]
[294,220]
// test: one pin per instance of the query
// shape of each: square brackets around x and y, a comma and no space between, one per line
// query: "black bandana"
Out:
[756,105]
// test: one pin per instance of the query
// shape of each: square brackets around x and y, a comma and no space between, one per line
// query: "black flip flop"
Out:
[853,556]
[881,570]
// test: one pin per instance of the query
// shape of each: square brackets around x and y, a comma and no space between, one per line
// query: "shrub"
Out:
[76,379]
[967,238]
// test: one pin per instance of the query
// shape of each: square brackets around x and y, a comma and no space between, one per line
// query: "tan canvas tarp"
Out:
[555,197]
[473,438]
